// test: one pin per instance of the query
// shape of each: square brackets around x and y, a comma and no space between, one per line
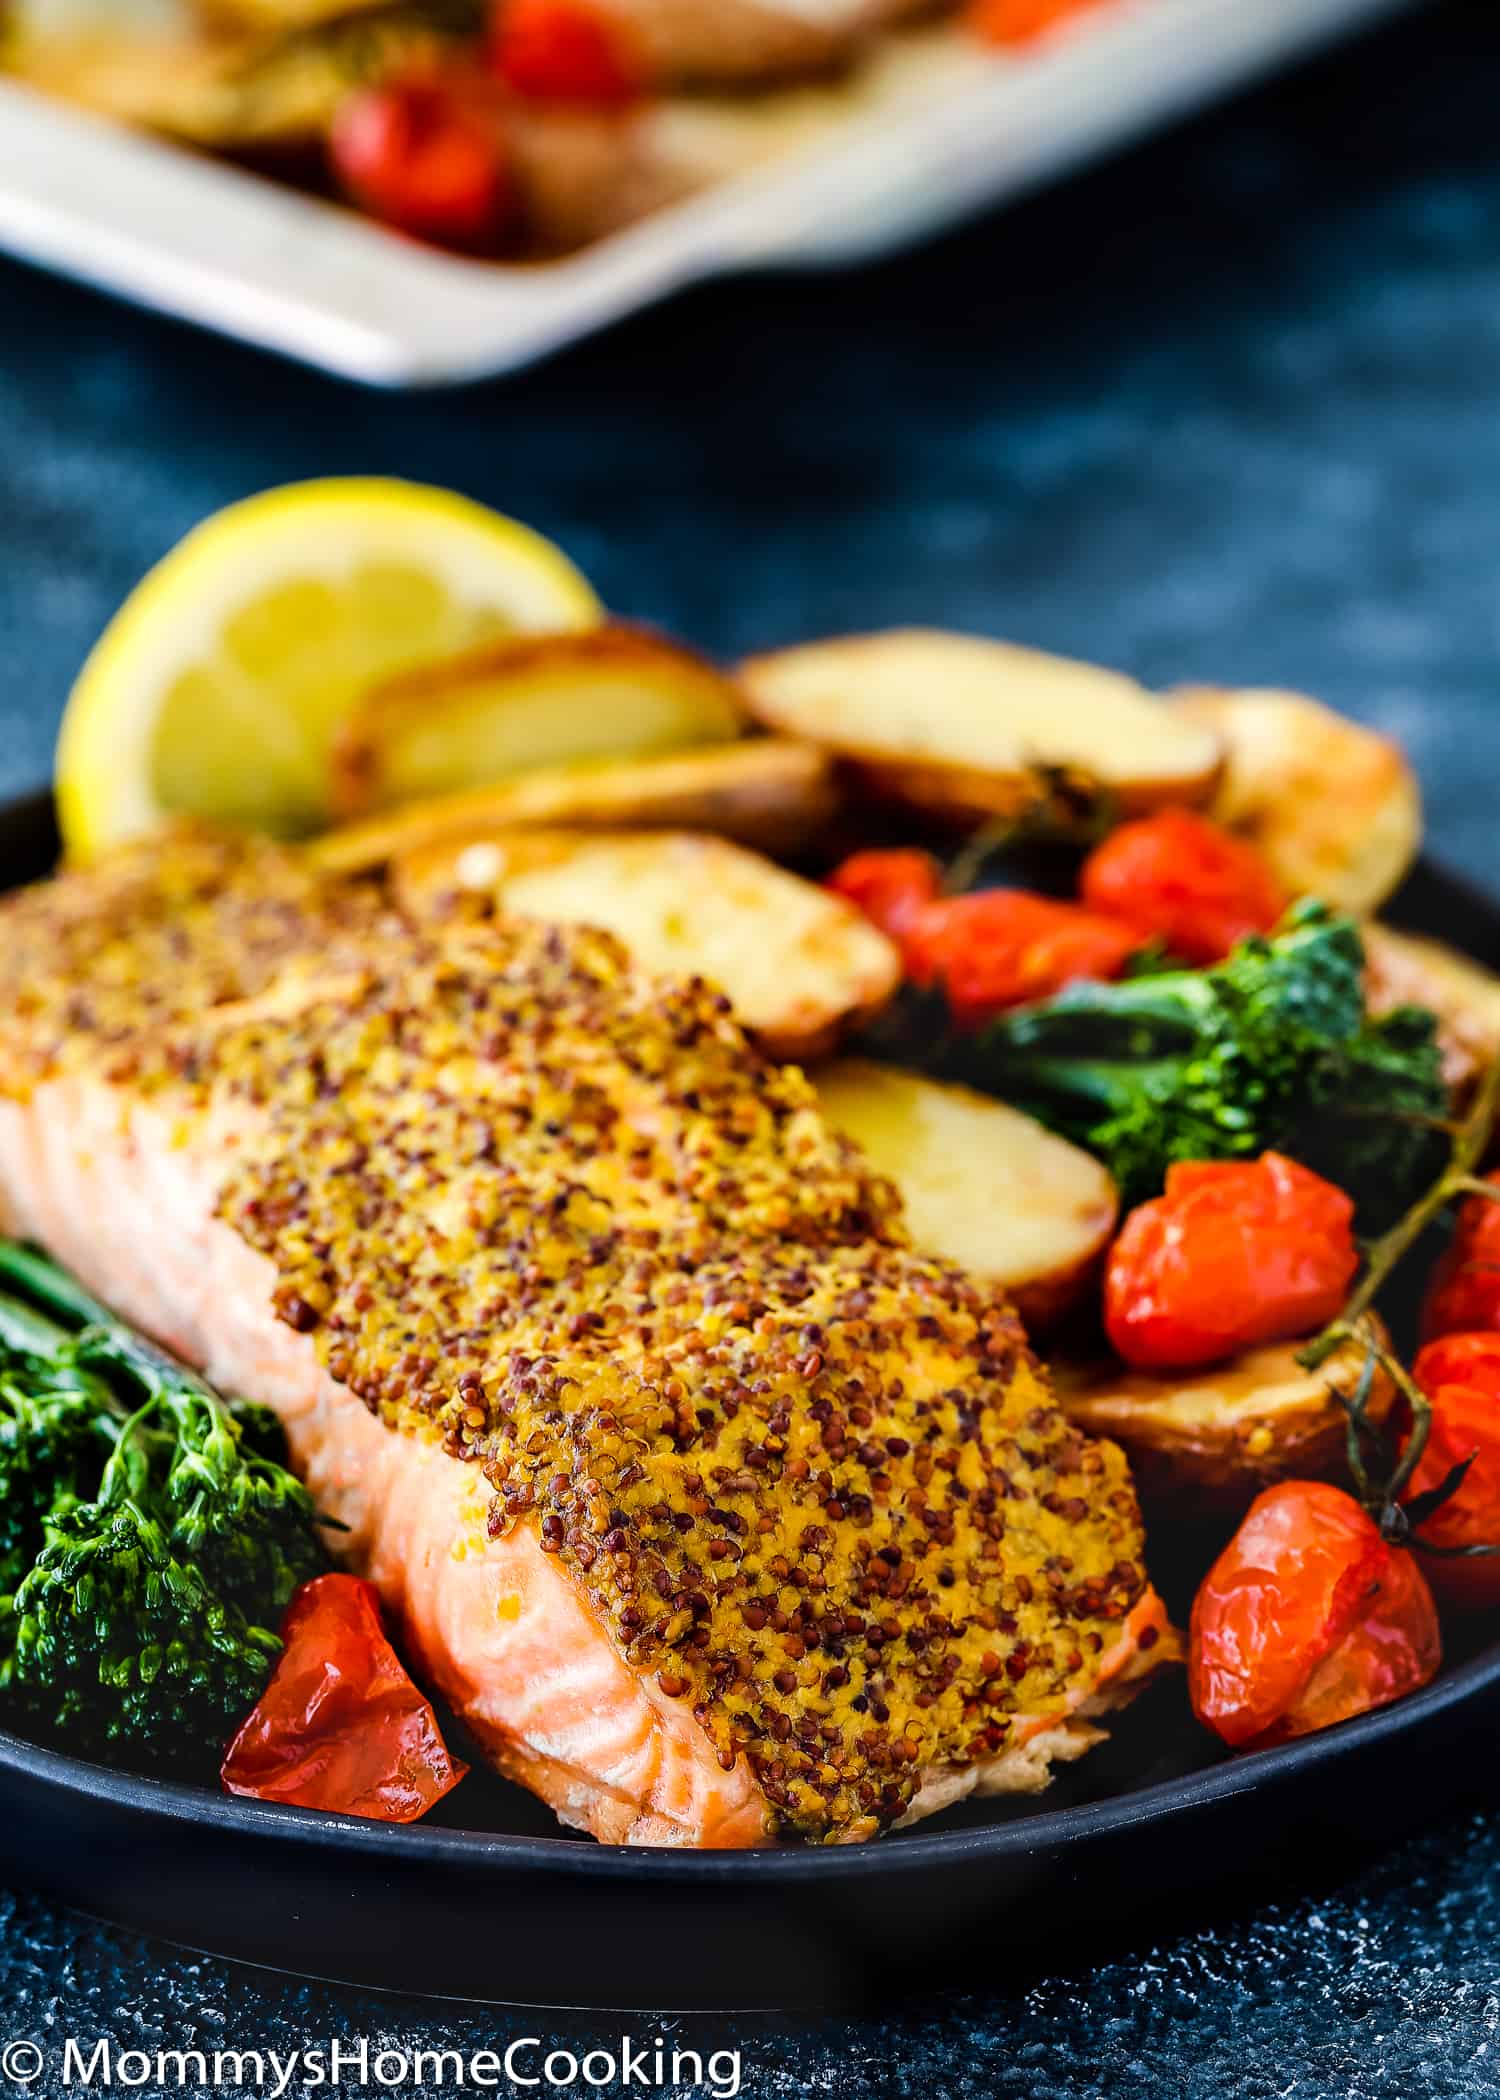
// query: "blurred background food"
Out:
[508,127]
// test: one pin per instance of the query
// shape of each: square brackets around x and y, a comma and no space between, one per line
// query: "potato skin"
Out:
[959,797]
[1334,806]
[634,680]
[763,791]
[961,725]
[1205,1443]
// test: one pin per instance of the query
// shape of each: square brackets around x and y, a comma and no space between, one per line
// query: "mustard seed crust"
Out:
[567,1220]
[155,934]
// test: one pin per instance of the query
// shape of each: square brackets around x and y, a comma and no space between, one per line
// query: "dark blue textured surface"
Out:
[1226,411]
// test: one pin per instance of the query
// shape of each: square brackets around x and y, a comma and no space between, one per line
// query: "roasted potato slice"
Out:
[983,1185]
[1407,969]
[763,791]
[1334,806]
[959,725]
[800,966]
[523,701]
[232,92]
[1207,1442]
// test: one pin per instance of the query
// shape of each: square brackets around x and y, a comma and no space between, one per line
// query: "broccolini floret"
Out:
[153,1541]
[57,1428]
[118,1639]
[1271,1049]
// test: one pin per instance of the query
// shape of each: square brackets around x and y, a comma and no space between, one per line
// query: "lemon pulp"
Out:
[217,688]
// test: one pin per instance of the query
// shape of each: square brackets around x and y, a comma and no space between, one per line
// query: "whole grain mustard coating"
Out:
[564,1218]
[151,936]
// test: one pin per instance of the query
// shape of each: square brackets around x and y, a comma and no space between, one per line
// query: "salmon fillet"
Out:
[716,1513]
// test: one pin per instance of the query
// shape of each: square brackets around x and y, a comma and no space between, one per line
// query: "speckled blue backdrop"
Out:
[1227,410]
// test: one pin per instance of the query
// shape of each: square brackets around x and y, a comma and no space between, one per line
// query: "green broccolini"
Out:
[149,1538]
[57,1428]
[120,1640]
[1271,1049]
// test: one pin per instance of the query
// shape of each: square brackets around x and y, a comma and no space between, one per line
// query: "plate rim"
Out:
[569,1857]
[566,1856]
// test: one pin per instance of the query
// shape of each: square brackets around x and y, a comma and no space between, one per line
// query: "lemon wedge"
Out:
[217,688]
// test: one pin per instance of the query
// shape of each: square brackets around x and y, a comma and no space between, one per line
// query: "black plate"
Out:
[489,1900]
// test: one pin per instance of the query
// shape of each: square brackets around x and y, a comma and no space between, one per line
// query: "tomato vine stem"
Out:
[1459,1178]
[1062,806]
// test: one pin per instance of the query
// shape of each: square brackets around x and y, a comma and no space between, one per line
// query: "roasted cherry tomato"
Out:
[989,950]
[1464,1295]
[1460,1374]
[1307,1617]
[426,156]
[1460,1359]
[341,1726]
[565,51]
[1236,1252]
[1001,948]
[1185,881]
[1021,21]
[890,888]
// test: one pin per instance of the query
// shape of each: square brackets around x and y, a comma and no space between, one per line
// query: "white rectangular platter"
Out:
[924,147]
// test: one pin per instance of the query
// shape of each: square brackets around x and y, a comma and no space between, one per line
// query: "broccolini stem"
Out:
[29,1332]
[50,1351]
[208,1448]
[30,1272]
[120,1481]
[97,1333]
[23,1327]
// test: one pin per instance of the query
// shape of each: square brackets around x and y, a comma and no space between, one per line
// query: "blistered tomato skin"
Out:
[1460,1374]
[426,158]
[891,887]
[1464,1295]
[566,51]
[1308,1617]
[1178,878]
[996,949]
[1460,1359]
[341,1727]
[987,950]
[1233,1254]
